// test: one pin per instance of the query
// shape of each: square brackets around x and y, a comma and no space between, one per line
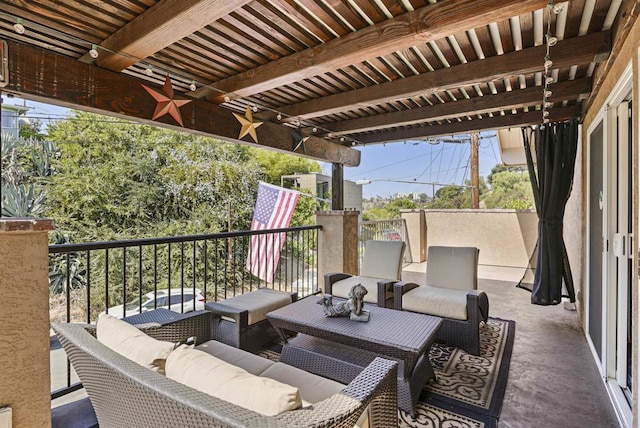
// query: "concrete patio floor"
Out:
[553,379]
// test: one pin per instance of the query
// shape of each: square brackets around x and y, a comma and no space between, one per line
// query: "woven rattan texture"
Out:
[464,334]
[126,394]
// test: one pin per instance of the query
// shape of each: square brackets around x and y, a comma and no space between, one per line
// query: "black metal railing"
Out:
[180,273]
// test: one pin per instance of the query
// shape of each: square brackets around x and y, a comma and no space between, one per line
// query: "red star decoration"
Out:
[166,102]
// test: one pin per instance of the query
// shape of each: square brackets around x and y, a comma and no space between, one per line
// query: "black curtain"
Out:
[555,147]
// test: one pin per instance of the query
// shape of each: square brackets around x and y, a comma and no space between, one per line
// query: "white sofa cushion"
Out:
[252,363]
[343,287]
[130,342]
[441,302]
[213,376]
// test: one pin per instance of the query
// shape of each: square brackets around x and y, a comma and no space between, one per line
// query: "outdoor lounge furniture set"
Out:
[450,291]
[307,387]
[128,393]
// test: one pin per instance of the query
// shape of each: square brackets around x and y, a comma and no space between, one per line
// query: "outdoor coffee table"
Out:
[339,348]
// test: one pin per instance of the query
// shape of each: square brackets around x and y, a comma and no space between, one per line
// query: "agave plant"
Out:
[65,270]
[22,201]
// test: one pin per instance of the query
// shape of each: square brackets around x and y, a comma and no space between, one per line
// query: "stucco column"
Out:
[337,242]
[416,234]
[24,321]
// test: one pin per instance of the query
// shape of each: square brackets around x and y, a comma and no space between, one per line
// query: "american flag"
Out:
[274,209]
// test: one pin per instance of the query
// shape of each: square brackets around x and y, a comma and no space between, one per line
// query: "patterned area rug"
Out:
[469,389]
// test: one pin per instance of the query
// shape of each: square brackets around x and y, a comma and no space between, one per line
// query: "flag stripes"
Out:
[274,209]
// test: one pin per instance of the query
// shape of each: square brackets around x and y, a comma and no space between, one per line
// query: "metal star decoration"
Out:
[248,125]
[299,140]
[167,104]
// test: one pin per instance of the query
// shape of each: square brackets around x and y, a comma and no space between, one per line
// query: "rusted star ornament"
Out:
[167,103]
[299,140]
[248,125]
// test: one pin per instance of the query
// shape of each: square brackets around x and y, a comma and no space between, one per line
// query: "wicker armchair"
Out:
[381,268]
[450,293]
[124,393]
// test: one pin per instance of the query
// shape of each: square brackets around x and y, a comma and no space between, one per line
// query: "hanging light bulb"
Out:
[93,52]
[255,109]
[353,143]
[545,113]
[149,71]
[279,116]
[557,8]
[551,40]
[548,104]
[548,93]
[549,79]
[18,27]
[227,98]
[192,86]
[315,129]
[547,62]
[342,139]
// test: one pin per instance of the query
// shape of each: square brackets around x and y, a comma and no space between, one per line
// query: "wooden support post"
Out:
[337,187]
[475,190]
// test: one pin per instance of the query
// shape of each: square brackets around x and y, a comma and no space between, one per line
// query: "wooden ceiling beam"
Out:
[160,26]
[594,47]
[466,126]
[42,75]
[518,98]
[429,23]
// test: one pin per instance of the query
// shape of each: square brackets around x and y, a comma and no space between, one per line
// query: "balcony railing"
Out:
[180,273]
[383,230]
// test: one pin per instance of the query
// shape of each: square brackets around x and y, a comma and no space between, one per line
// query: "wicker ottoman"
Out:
[241,320]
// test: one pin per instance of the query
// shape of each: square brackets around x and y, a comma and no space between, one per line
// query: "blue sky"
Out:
[436,161]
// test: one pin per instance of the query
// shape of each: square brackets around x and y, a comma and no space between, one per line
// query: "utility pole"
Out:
[475,190]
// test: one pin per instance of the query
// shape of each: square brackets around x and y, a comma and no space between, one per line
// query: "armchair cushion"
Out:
[130,342]
[215,377]
[382,259]
[453,267]
[441,302]
[341,288]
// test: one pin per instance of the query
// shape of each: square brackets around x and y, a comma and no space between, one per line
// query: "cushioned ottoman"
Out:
[241,320]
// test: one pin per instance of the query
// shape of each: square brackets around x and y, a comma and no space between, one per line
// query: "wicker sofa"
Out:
[124,393]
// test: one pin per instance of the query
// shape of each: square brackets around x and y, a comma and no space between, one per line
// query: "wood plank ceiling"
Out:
[348,72]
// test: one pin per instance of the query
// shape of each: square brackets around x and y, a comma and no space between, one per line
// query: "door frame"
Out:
[610,316]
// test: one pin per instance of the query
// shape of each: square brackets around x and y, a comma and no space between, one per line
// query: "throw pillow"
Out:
[130,342]
[204,372]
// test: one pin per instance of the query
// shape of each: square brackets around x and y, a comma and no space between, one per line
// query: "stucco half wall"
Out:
[506,238]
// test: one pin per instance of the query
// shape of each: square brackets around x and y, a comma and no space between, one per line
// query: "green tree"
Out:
[275,164]
[124,180]
[510,188]
[388,211]
[450,197]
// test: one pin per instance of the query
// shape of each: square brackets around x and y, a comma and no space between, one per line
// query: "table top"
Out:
[388,331]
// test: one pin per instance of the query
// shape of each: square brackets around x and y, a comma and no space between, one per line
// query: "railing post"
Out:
[337,242]
[416,234]
[25,384]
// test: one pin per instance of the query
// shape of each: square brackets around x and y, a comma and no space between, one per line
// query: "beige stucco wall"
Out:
[338,242]
[506,238]
[416,235]
[628,54]
[24,331]
[574,233]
